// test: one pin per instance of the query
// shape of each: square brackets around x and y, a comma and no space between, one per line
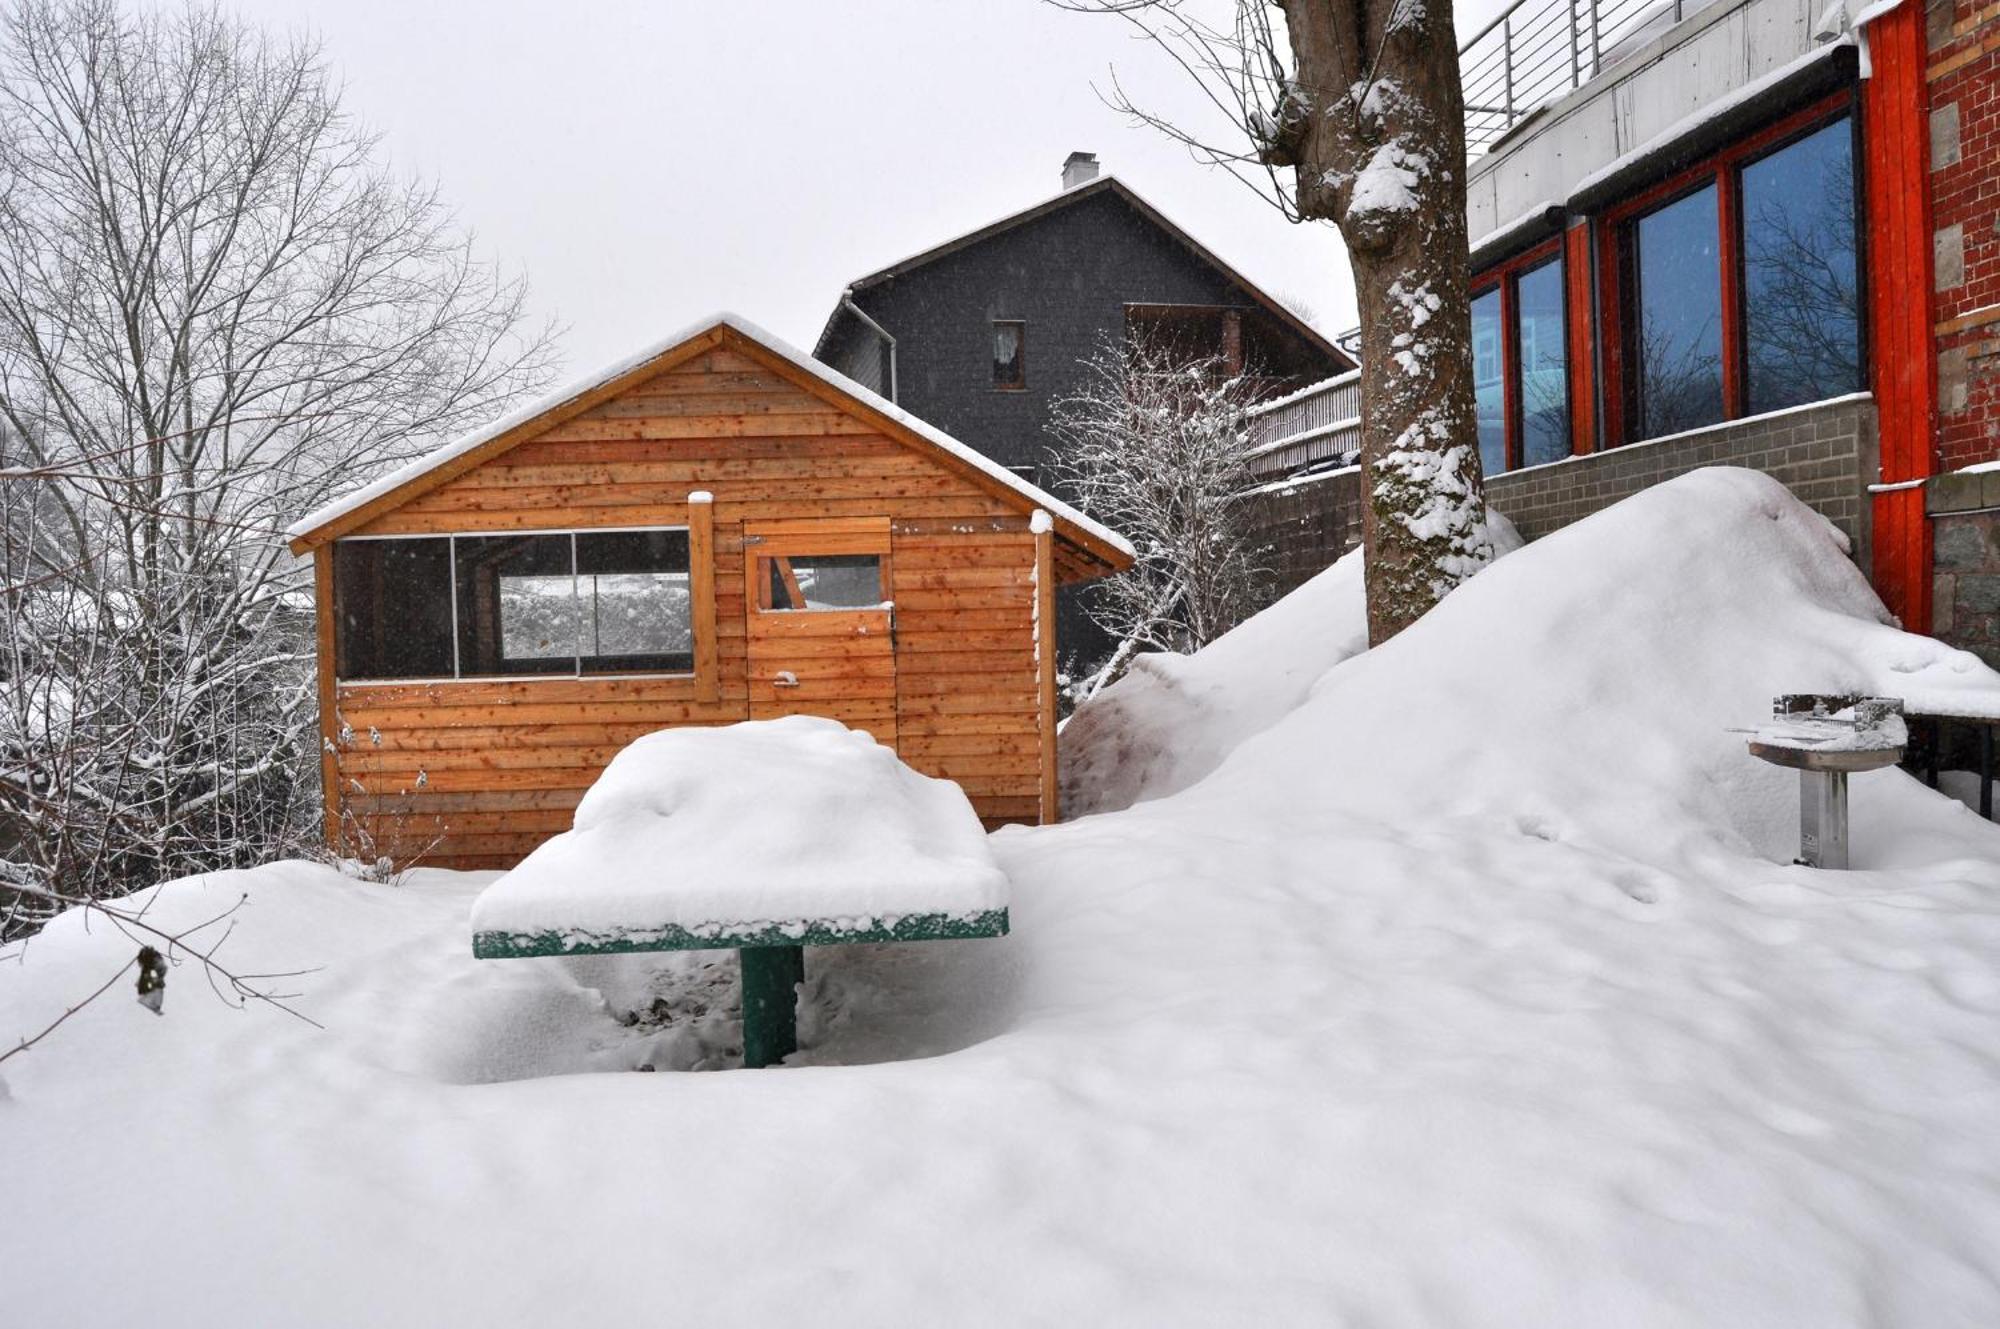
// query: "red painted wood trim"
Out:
[1611,325]
[1579,348]
[1903,359]
[1510,370]
[1728,252]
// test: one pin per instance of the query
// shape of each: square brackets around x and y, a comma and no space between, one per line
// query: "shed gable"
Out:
[720,422]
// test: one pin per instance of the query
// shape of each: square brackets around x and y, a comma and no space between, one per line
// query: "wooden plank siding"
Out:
[475,774]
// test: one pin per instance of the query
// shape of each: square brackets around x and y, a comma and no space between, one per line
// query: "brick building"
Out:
[1753,232]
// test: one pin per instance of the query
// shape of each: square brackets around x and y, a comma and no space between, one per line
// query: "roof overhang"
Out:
[1104,184]
[1824,70]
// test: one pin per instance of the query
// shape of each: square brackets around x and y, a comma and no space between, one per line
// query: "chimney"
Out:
[1079,168]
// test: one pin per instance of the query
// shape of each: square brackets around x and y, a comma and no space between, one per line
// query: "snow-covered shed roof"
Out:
[1103,184]
[1099,543]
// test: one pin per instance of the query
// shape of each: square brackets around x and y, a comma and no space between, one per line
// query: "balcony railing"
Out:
[1537,50]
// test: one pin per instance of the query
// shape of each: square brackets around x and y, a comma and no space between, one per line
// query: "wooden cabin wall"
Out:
[475,774]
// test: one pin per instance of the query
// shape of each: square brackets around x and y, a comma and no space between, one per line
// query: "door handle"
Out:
[785,679]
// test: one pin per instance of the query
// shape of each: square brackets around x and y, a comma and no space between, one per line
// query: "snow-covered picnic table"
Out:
[766,836]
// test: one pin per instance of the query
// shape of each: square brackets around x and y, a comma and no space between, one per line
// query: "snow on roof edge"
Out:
[770,341]
[1104,182]
[1299,394]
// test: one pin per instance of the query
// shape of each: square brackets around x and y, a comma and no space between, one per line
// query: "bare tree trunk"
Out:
[1368,117]
[1375,132]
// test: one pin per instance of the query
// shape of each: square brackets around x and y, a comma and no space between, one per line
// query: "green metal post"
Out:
[771,975]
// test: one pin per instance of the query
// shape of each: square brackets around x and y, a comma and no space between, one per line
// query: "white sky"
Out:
[646,164]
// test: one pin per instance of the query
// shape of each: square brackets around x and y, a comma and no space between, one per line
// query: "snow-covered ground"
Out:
[1475,990]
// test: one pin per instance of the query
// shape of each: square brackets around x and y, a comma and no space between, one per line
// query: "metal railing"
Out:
[1315,427]
[1537,50]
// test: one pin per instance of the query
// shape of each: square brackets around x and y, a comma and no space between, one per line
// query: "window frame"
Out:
[1020,357]
[1506,277]
[1615,229]
[577,675]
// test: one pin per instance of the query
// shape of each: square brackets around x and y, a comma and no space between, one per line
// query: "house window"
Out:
[1739,281]
[559,604]
[1520,363]
[1676,347]
[1801,307]
[1489,381]
[1010,354]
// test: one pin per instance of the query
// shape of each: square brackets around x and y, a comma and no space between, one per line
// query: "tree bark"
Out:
[1374,128]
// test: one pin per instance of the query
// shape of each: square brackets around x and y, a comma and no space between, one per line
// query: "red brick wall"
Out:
[1964,78]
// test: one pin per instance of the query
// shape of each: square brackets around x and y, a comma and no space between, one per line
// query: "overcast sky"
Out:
[648,163]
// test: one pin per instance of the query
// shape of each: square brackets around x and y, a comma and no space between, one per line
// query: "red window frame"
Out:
[1724,170]
[1505,275]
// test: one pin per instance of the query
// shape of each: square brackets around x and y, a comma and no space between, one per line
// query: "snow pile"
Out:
[1477,992]
[748,825]
[1591,681]
[1173,718]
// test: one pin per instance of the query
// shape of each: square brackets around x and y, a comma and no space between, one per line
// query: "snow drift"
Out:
[1477,990]
[1173,718]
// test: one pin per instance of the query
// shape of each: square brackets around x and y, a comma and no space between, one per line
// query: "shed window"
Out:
[517,610]
[821,581]
[546,603]
[392,608]
[1010,354]
[634,600]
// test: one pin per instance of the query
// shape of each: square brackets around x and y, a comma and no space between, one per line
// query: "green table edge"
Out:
[811,932]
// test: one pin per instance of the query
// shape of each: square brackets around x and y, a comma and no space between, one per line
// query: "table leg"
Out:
[1986,771]
[771,975]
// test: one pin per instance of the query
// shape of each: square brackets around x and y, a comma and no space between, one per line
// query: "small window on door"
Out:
[820,581]
[1010,354]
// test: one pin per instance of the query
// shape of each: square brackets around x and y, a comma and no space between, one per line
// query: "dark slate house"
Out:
[980,335]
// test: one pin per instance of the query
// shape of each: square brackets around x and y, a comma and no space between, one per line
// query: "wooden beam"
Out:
[329,765]
[701,593]
[1045,663]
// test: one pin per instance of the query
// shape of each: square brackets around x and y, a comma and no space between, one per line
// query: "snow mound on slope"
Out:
[767,821]
[1173,718]
[1588,684]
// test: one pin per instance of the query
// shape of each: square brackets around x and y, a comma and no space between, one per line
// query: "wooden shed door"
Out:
[820,632]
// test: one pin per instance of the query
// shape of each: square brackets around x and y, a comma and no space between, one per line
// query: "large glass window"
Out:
[516,605]
[392,608]
[1801,313]
[471,606]
[1489,381]
[1520,366]
[1676,349]
[1544,387]
[634,601]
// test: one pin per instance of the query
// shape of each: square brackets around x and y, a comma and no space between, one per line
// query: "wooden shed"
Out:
[717,529]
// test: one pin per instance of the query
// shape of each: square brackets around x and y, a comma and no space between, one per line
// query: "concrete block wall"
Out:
[1303,526]
[1965,586]
[1824,453]
[1964,79]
